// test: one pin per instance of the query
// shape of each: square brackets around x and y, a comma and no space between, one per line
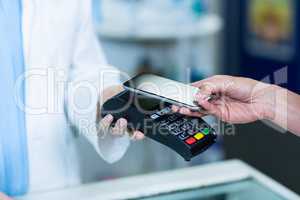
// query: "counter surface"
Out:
[167,182]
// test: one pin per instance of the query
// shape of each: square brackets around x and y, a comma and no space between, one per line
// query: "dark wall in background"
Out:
[274,153]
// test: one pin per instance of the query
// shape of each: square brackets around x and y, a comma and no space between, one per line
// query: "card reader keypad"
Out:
[185,129]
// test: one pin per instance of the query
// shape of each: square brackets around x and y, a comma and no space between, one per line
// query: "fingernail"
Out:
[123,123]
[140,137]
[108,118]
[174,108]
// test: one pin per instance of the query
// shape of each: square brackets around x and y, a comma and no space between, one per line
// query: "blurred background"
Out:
[188,40]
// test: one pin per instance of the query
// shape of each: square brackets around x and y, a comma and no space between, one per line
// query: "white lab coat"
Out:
[58,38]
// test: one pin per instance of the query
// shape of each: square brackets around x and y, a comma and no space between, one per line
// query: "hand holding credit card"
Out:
[168,90]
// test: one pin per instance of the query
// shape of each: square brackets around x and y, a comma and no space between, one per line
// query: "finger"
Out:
[133,135]
[205,104]
[185,111]
[106,122]
[199,83]
[210,92]
[120,128]
[205,93]
[188,112]
[210,108]
[137,135]
[175,108]
[215,78]
[108,119]
[215,84]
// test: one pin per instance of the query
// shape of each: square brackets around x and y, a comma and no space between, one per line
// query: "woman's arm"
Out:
[243,100]
[286,110]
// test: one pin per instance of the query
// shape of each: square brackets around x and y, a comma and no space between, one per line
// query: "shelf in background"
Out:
[207,25]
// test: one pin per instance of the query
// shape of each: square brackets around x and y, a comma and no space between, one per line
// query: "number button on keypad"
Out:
[184,136]
[176,131]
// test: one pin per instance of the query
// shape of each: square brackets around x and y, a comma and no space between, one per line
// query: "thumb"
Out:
[210,107]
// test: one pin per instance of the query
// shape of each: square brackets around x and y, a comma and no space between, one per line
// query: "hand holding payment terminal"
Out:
[146,104]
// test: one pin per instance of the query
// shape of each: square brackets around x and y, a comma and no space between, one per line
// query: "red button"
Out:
[191,141]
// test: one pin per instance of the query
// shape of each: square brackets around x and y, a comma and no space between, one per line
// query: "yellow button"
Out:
[199,136]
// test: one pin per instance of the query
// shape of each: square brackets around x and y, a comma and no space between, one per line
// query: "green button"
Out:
[206,131]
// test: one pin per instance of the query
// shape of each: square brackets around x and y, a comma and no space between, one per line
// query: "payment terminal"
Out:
[188,136]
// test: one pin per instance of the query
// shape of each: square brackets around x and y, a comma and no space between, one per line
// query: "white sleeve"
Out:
[90,75]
